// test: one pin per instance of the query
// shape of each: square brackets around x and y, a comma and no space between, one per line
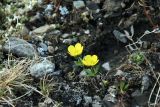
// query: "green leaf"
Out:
[89,72]
[78,62]
[126,87]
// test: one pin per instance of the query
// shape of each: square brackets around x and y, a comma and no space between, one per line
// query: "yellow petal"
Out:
[78,45]
[94,59]
[87,60]
[71,50]
[79,48]
[87,57]
[85,63]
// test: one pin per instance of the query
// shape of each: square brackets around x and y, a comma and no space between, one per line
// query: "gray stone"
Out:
[40,1]
[108,104]
[96,101]
[140,99]
[92,6]
[96,104]
[109,98]
[88,100]
[44,46]
[41,51]
[136,93]
[113,90]
[120,73]
[19,47]
[83,74]
[120,36]
[57,73]
[145,83]
[24,31]
[42,68]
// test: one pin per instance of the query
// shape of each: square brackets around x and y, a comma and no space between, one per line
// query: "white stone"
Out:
[106,66]
[78,4]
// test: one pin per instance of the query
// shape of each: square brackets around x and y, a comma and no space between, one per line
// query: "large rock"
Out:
[42,68]
[140,99]
[19,47]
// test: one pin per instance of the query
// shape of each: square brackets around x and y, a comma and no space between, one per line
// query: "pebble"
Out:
[24,31]
[69,41]
[87,32]
[51,49]
[49,7]
[110,98]
[56,32]
[83,74]
[92,6]
[65,35]
[63,10]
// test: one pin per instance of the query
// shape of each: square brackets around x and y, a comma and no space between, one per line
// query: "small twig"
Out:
[8,102]
[157,96]
[153,90]
[57,5]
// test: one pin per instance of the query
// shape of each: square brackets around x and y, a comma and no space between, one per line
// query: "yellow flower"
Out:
[75,50]
[89,60]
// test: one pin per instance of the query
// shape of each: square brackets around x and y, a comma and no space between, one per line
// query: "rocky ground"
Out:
[38,70]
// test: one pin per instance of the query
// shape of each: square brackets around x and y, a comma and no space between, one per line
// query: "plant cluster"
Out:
[137,58]
[88,62]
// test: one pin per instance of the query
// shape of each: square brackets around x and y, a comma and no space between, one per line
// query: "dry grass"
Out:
[15,77]
[11,78]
